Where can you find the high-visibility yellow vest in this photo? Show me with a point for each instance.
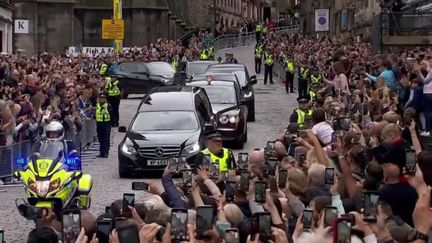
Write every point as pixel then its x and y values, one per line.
pixel 102 113
pixel 258 28
pixel 259 51
pixel 304 72
pixel 312 95
pixel 290 66
pixel 112 87
pixel 264 30
pixel 103 69
pixel 204 55
pixel 211 51
pixel 269 59
pixel 316 80
pixel 301 115
pixel 174 63
pixel 223 162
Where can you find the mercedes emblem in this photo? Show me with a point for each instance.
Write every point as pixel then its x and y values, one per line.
pixel 159 152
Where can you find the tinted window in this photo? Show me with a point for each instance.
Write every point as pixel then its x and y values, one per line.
pixel 165 120
pixel 196 68
pixel 220 94
pixel 129 67
pixel 241 75
pixel 160 68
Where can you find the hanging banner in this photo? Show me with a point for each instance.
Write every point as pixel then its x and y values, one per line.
pixel 344 19
pixel 322 20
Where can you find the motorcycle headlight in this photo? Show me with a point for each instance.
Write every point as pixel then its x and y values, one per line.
pixel 42 188
pixel 128 148
pixel 191 149
pixel 224 119
pixel 32 185
pixel 54 185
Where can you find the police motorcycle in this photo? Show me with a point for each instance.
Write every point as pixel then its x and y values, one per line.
pixel 52 176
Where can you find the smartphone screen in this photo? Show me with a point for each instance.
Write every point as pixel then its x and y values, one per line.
pixel 264 222
pixel 128 233
pixel 329 176
pixel 187 178
pixel 103 230
pixel 179 228
pixel 243 159
pixel 260 191
pixel 343 231
pixel 204 220
pixel 244 180
pixel 182 163
pixel 174 165
pixel 128 201
pixel 139 186
pixel 271 166
pixel 371 200
pixel 232 236
pixel 207 161
pixel 229 191
pixel 411 160
pixel 330 214
pixel 283 177
pixel 214 170
pixel 307 219
pixel 71 220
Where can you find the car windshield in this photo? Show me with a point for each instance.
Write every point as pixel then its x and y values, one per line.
pixel 220 94
pixel 165 121
pixel 196 68
pixel 160 68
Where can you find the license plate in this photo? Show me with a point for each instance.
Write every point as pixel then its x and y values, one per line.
pixel 157 162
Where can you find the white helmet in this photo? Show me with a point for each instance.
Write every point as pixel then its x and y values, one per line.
pixel 54 131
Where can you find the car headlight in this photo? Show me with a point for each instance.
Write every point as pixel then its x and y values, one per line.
pixel 128 147
pixel 191 149
pixel 54 185
pixel 233 119
pixel 248 94
pixel 224 119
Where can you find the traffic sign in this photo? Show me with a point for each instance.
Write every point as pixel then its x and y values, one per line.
pixel 112 29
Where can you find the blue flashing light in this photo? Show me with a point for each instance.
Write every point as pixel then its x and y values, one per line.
pixel 73 163
pixel 20 161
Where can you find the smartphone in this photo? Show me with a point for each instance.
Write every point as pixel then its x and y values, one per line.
pixel 411 161
pixel 244 180
pixel 182 163
pixel 271 166
pixel 174 165
pixel 283 177
pixel 264 223
pixel 179 219
pixel 330 213
pixel 329 176
pixel 187 178
pixel 307 219
pixel 207 161
pixel 349 217
pixel 371 200
pixel 271 146
pixel 342 231
pixel 103 230
pixel 205 216
pixel 243 160
pixel 71 221
pixel 302 159
pixel 230 190
pixel 128 200
pixel 232 235
pixel 119 221
pixel 128 233
pixel 2 238
pixel 214 170
pixel 140 186
pixel 260 191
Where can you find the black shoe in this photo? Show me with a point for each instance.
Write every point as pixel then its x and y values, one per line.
pixel 100 156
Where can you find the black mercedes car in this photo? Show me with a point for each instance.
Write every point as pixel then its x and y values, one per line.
pixel 246 82
pixel 170 121
pixel 141 77
pixel 232 125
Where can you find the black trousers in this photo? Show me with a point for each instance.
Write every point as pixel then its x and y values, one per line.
pixel 268 73
pixel 258 36
pixel 114 101
pixel 258 63
pixel 302 87
pixel 289 84
pixel 103 130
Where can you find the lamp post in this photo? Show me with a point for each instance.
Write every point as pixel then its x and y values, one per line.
pixel 214 18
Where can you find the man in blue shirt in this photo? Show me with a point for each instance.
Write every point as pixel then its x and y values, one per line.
pixel 387 74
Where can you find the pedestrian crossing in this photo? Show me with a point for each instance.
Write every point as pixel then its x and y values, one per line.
pixel 90 153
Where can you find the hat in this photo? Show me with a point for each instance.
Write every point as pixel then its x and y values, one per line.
pixel 213 134
pixel 302 99
pixel 102 95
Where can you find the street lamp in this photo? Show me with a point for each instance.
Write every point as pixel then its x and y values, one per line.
pixel 214 18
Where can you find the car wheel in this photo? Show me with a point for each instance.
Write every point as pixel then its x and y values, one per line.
pixel 251 113
pixel 239 142
pixel 124 173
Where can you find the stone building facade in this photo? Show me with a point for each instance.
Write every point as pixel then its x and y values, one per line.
pixel 6 26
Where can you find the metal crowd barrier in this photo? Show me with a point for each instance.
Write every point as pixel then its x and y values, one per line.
pixel 249 38
pixel 279 70
pixel 14 156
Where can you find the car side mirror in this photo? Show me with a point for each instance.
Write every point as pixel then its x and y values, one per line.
pixel 122 129
pixel 253 79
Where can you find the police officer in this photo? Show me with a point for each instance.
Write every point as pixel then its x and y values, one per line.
pixel 303 80
pixel 112 87
pixel 204 55
pixel 175 62
pixel 289 75
pixel 258 29
pixel 103 69
pixel 302 114
pixel 315 77
pixel 103 125
pixel 217 153
pixel 268 66
pixel 259 51
pixel 211 52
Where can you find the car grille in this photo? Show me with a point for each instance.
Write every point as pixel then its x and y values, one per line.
pixel 159 152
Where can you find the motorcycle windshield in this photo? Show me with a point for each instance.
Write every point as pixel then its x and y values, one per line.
pixel 51 150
